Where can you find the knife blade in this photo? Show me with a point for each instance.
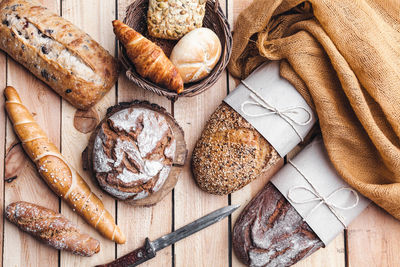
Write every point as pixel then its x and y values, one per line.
pixel 148 251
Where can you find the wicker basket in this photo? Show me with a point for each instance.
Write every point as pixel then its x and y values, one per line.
pixel 136 18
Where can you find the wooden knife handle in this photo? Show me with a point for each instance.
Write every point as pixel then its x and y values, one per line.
pixel 134 258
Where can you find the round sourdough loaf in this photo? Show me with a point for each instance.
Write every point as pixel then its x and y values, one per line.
pixel 132 151
pixel 196 54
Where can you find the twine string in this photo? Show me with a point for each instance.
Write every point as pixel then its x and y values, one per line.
pixel 328 200
pixel 284 113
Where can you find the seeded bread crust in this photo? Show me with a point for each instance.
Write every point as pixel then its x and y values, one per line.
pixel 172 19
pixel 230 153
pixel 45 44
pixel 52 228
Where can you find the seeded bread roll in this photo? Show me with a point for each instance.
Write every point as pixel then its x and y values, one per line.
pixel 269 232
pixel 52 228
pixel 57 52
pixel 172 19
pixel 230 153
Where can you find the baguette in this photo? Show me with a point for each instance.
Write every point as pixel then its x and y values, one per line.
pixel 57 52
pixel 149 59
pixel 57 173
pixel 52 228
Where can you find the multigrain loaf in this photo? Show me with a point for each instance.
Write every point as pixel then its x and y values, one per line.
pixel 230 153
pixel 172 19
pixel 57 52
pixel 52 228
pixel 269 232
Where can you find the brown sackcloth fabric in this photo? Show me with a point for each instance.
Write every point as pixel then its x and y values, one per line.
pixel 344 57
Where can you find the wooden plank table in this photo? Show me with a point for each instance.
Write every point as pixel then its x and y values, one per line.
pixel 371 240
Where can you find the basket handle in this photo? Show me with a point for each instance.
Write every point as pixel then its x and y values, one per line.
pixel 216 5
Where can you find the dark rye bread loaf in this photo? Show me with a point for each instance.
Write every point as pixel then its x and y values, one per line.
pixel 52 228
pixel 270 232
pixel 230 153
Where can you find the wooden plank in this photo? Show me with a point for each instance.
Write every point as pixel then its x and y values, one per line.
pixel 95 18
pixel 209 247
pixel 373 239
pixel 332 255
pixel 3 80
pixel 192 203
pixel 20 248
pixel 141 222
pixel 247 193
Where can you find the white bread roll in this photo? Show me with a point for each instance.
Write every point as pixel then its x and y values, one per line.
pixel 196 54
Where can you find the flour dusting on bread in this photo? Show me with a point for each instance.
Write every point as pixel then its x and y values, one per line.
pixel 133 153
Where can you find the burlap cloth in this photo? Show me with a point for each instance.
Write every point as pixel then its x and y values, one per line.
pixel 344 57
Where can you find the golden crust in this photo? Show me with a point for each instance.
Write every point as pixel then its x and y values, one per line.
pixel 52 228
pixel 149 59
pixel 230 153
pixel 81 93
pixel 64 180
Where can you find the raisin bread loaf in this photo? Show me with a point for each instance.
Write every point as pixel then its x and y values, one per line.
pixel 57 52
pixel 270 232
pixel 230 153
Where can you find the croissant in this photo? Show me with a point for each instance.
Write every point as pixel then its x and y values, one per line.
pixel 58 174
pixel 52 228
pixel 149 59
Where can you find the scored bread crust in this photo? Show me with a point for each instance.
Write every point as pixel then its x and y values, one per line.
pixel 52 228
pixel 64 180
pixel 270 232
pixel 76 88
pixel 179 158
pixel 230 153
pixel 120 165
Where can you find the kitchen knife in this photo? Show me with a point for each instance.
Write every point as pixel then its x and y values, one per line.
pixel 148 251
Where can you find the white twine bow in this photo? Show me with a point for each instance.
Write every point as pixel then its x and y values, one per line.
pixel 283 113
pixel 322 200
